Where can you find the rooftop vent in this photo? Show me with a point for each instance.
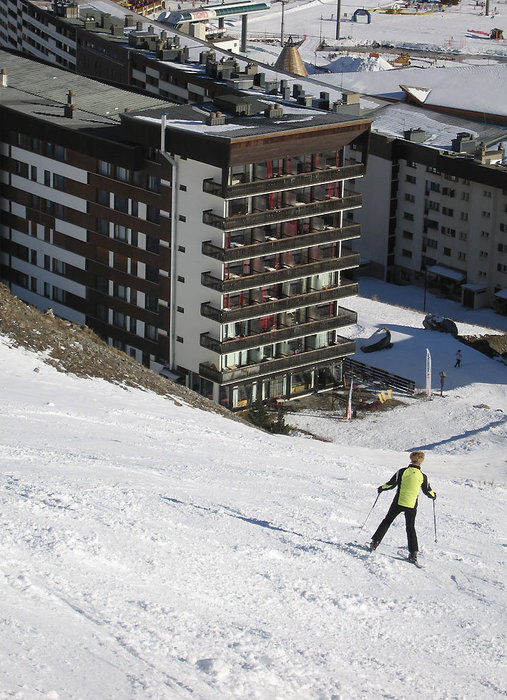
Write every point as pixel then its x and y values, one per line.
pixel 68 110
pixel 274 111
pixel 215 119
pixel 463 143
pixel 415 135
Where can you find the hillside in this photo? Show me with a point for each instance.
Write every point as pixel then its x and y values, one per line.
pixel 150 550
pixel 76 349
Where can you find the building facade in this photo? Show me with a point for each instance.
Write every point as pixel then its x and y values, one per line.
pixel 437 217
pixel 208 243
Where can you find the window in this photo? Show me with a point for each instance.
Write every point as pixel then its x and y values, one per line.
pixel 179 338
pixel 182 218
pixel 463 236
pixel 47 178
pixel 60 153
pixel 150 332
pixel 183 188
pixel 408 216
pixel 430 243
pixel 33 173
pixel 180 309
pixel 408 234
pixel 430 169
pixel 462 256
pixel 181 248
pixel 502 248
pixel 180 278
pixel 484 234
pixel 151 273
pixel 105 168
pixel 487 193
pixel 486 214
pixel 47 262
pixel 411 178
pixel 446 231
pixel 58 182
pixel 121 203
pixel 152 244
pixel 409 197
pixel 411 164
pixel 59 267
pixel 120 232
pixel 103 227
pixel 102 312
pixel 153 183
pixel 122 174
pixel 103 197
pixel 59 295
pixel 153 214
pixel 120 291
pixel 151 302
pixel 503 227
pixel 447 251
pixel 119 319
pixel 501 268
pixel 464 216
pixel 483 253
pixel 482 273
pixel 447 212
pixel 465 196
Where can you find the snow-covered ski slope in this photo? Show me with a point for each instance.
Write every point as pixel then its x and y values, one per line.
pixel 151 551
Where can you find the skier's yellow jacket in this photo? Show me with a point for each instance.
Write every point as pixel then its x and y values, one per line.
pixel 409 481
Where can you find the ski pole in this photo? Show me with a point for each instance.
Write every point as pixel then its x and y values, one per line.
pixel 373 506
pixel 435 519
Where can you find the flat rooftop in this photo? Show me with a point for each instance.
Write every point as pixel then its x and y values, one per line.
pixel 37 89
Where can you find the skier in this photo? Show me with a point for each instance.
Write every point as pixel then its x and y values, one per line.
pixel 408 482
pixel 458 358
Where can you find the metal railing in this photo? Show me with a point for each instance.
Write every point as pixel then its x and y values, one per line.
pixel 283 182
pixel 275 306
pixel 281 245
pixel 286 213
pixel 309 358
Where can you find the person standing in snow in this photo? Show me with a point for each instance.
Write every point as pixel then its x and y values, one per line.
pixel 408 481
pixel 458 358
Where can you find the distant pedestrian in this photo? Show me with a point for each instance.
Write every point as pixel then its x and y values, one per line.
pixel 442 380
pixel 458 358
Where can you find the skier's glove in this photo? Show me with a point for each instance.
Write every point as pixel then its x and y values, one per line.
pixel 434 496
pixel 380 489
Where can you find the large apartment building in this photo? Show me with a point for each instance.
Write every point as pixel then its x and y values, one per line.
pixel 211 241
pixel 435 209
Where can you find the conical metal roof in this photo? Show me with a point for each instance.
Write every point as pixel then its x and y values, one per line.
pixel 289 59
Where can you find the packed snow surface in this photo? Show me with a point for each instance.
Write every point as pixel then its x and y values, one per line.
pixel 149 550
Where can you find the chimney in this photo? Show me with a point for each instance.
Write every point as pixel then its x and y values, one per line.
pixel 215 119
pixel 3 78
pixel 68 110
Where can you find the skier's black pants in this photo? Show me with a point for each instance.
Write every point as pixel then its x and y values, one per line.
pixel 393 513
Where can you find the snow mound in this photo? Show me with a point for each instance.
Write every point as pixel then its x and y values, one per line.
pixel 358 64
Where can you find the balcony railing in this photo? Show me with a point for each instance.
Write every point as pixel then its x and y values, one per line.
pixel 345 318
pixel 276 306
pixel 283 182
pixel 287 213
pixel 281 245
pixel 310 358
pixel 285 274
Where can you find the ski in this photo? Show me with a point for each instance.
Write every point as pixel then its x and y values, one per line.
pixel 403 555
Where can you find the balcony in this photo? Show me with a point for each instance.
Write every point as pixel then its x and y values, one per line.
pixel 283 182
pixel 284 274
pixel 276 306
pixel 288 213
pixel 308 359
pixel 281 245
pixel 345 318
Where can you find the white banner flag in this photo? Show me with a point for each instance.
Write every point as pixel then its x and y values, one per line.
pixel 428 373
pixel 349 405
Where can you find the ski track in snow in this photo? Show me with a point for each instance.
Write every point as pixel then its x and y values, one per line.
pixel 152 551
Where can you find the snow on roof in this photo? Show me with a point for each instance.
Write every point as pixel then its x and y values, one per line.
pixel 447 272
pixel 420 94
pixel 196 125
pixel 395 119
pixel 474 88
pixel 501 294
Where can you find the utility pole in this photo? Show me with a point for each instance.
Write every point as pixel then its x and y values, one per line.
pixel 283 23
pixel 338 12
